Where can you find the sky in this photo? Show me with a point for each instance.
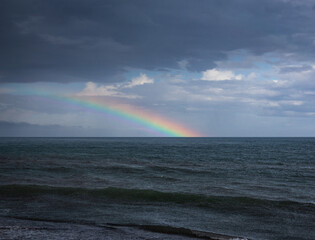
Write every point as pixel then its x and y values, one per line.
pixel 146 68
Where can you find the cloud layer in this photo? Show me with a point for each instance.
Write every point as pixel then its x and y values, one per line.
pixel 225 68
pixel 62 41
pixel 215 75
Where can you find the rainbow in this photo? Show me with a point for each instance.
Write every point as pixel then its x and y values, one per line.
pixel 160 126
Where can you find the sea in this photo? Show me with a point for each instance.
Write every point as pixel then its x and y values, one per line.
pixel 157 188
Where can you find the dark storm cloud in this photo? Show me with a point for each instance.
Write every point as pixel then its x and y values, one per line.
pixel 98 40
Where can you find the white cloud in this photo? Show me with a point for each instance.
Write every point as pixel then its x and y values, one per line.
pixel 92 89
pixel 116 90
pixel 141 80
pixel 217 75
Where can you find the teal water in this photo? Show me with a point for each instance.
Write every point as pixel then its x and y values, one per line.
pixel 258 188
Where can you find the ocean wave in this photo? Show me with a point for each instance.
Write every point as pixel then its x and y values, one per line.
pixel 122 195
pixel 163 229
pixel 180 231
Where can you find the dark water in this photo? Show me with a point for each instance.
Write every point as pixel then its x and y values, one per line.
pixel 256 188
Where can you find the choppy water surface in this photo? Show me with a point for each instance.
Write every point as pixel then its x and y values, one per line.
pixel 259 188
